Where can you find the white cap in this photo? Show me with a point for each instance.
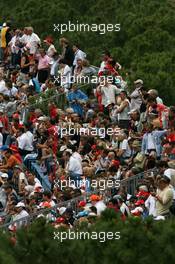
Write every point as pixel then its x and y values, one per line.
pixel 43 118
pixel 20 204
pixel 4 175
pixel 138 81
pixel 167 173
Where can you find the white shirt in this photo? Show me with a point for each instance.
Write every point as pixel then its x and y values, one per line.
pixel 79 54
pixel 32 42
pixel 100 207
pixel 150 204
pixel 51 50
pixel 151 144
pixel 24 39
pixel 74 165
pixel 66 77
pixel 3 88
pixel 126 148
pixel 13 91
pixel 19 216
pixel 12 43
pixel 30 136
pixel 108 94
pixel 22 214
pixel 25 141
pixel 22 177
pixel 76 155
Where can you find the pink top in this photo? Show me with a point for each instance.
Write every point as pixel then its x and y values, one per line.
pixel 43 62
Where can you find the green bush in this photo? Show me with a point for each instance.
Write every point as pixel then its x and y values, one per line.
pixel 140 242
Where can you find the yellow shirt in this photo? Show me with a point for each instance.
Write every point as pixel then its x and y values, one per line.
pixel 3 37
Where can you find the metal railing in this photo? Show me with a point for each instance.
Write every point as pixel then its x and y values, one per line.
pixel 73 204
pixel 131 185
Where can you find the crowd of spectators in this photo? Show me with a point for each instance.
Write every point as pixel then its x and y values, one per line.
pixel 114 131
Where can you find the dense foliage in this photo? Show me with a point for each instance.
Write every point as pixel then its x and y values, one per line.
pixel 145 45
pixel 140 242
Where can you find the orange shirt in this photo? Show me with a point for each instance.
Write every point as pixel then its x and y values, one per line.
pixel 12 161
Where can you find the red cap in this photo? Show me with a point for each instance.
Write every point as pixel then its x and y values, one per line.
pixel 115 163
pixel 140 202
pixel 142 194
pixel 81 204
pixel 49 39
pixel 60 220
pixel 171 138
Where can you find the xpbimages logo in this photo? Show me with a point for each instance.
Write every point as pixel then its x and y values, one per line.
pixel 100 184
pixel 100 236
pixel 82 27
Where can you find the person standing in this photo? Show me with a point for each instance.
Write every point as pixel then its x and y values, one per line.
pixel 108 93
pixel 43 66
pixel 67 52
pixel 123 111
pixel 33 41
pixel 164 197
pixel 78 53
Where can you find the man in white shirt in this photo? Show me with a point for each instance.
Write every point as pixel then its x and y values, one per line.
pixel 33 40
pixel 21 214
pixel 25 141
pixel 109 93
pixel 150 203
pixel 74 167
pixel 79 54
pixel 25 37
